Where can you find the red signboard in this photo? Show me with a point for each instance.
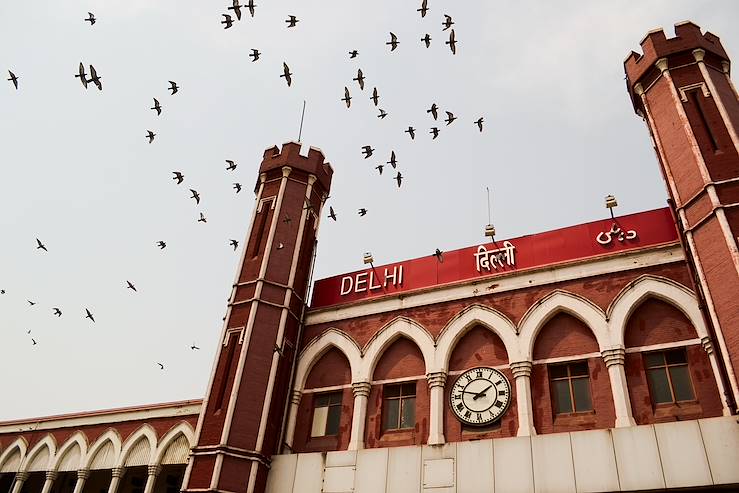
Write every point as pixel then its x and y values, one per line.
pixel 490 259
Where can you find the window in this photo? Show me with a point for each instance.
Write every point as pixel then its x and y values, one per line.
pixel 570 385
pixel 326 414
pixel 399 408
pixel 668 376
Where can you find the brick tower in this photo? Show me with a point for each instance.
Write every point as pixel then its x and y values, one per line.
pixel 681 87
pixel 242 415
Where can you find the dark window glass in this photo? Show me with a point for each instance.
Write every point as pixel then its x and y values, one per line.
pixel 399 409
pixel 659 385
pixel 408 418
pixel 333 419
pixel 581 391
pixel 654 359
pixel 570 384
pixel 668 376
pixel 579 369
pixel 392 412
pixel 681 383
pixel 675 357
pixel 562 402
pixel 558 371
pixel 326 414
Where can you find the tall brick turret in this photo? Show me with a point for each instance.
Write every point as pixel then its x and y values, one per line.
pixel 241 419
pixel 681 87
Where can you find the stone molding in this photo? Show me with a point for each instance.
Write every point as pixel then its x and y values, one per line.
pixel 615 356
pixel 521 369
pixel 436 379
pixel 361 389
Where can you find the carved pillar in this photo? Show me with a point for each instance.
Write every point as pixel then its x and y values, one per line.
pixel 708 348
pixel 116 475
pixel 292 418
pixel 522 374
pixel 614 359
pixel 20 478
pixel 151 479
pixel 82 476
pixel 361 391
pixel 49 483
pixel 436 381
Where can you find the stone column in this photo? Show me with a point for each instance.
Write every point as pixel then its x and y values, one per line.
pixel 436 381
pixel 614 359
pixel 49 483
pixel 151 479
pixel 522 374
pixel 361 391
pixel 708 348
pixel 20 478
pixel 292 418
pixel 82 476
pixel 116 475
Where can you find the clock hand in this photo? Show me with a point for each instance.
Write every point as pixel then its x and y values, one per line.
pixel 481 394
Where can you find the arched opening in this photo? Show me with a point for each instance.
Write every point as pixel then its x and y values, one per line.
pixel 37 466
pixel 325 412
pixel 668 373
pixel 8 469
pixel 173 462
pixel 569 380
pixel 135 467
pixel 397 411
pixel 479 346
pixel 69 463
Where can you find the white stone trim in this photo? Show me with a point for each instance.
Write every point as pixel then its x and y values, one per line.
pixel 21 444
pixel 111 436
pixel 663 346
pixel 47 442
pixel 146 432
pixel 391 332
pixel 78 438
pixel 182 429
pixel 317 347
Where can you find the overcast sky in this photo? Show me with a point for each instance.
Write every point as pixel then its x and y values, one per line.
pixel 77 172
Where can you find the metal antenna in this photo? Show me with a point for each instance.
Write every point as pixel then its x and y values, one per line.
pixel 300 133
pixel 489 218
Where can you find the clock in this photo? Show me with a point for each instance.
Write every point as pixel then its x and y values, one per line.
pixel 480 396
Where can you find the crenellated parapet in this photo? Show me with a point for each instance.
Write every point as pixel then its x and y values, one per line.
pixel 314 163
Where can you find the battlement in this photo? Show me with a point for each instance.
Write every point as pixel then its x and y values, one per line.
pixel 314 163
pixel 656 45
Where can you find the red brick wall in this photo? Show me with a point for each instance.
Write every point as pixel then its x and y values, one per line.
pixel 564 335
pixel 331 369
pixel 657 322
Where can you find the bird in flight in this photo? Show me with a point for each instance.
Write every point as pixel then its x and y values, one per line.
pixel 434 131
pixel 173 87
pixel 254 54
pixel 81 75
pixel 393 42
pixel 57 312
pixel 286 74
pixel 450 117
pixel 162 245
pixel 479 123
pixel 231 165
pixel 161 366
pixel 227 21
pixel 2 291
pixel 331 213
pixel 90 18
pixel 157 107
pixel 360 79
pixel 382 114
pixel 291 21
pixel 424 8
pixel 362 212
pixel 439 255
pixel 393 162
pixel 237 187
pixel 13 78
pixel 353 54
pixel 250 5
pixel 89 315
pixel 202 218
pixel 195 195
pixel 452 42
pixel 129 285
pixel 427 40
pixel 347 97
pixel 95 78
pixel 194 347
pixel 179 177
pixel 234 244
pixel 379 167
pixel 40 246
pixel 412 132
pixel 150 135
pixel 447 22
pixel 31 302
pixel 34 341
pixel 375 97
pixel 434 111
pixel 399 178
pixel 236 8
pixel 367 151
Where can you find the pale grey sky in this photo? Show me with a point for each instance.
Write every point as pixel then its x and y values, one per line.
pixel 77 172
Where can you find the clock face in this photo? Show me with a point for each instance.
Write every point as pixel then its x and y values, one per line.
pixel 480 396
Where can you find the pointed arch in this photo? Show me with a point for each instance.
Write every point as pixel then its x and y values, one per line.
pixel 109 444
pixel 316 348
pixel 649 286
pixel 465 320
pixel 182 429
pixel 392 331
pixel 561 301
pixel 66 453
pixel 145 433
pixel 19 446
pixel 35 460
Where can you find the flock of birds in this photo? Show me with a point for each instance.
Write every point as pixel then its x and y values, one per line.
pixel 90 75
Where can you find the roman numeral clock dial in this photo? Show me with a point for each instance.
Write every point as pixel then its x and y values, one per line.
pixel 480 396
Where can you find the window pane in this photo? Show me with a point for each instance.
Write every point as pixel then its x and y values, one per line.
pixel 391 390
pixel 409 389
pixel 335 398
pixel 561 390
pixel 332 420
pixel 391 414
pixel 659 386
pixel 681 383
pixel 654 359
pixel 318 429
pixel 581 389
pixel 580 368
pixel 558 371
pixel 321 400
pixel 676 357
pixel 408 419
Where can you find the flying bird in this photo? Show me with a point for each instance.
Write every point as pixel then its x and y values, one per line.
pixel 393 42
pixel 375 97
pixel 450 117
pixel 90 18
pixel 452 42
pixel 286 74
pixel 227 21
pixel 194 347
pixel 81 75
pixel 2 291
pixel 173 87
pixel 31 302
pixel 424 8
pixel 434 131
pixel 89 315
pixel 347 97
pixel 234 244
pixel 367 151
pixel 427 40
pixel 34 341
pixel 237 187
pixel 412 132
pixel 434 111
pixel 129 285
pixel 382 114
pixel 362 212
pixel 231 165
pixel 162 245
pixel 291 21
pixel 331 213
pixel 254 54
pixel 40 246
pixel 360 79
pixel 250 5
pixel 179 177
pixel 447 22
pixel 202 218
pixel 379 167
pixel 14 79
pixel 57 312
pixel 195 195
pixel 161 366
pixel 353 54
pixel 439 255
pixel 479 123
pixel 157 107
pixel 393 162
pixel 236 8
pixel 150 135
pixel 95 78
pixel 399 178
